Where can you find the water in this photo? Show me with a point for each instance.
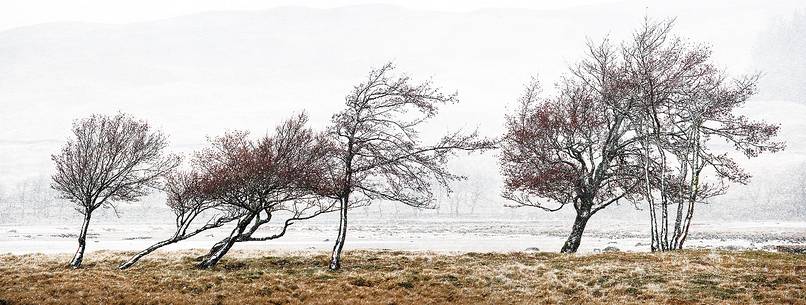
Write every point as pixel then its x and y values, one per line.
pixel 429 234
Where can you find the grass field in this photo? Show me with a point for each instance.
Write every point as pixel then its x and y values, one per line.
pixel 393 277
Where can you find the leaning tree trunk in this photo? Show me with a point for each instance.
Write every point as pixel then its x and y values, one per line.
pixel 575 238
pixel 335 259
pixel 82 241
pixel 219 250
pixel 145 252
pixel 217 246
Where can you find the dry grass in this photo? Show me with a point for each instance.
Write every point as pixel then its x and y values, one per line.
pixel 391 277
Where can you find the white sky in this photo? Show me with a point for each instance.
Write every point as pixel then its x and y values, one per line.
pixel 53 85
pixel 16 13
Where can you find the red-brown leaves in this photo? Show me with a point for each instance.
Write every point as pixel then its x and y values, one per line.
pixel 552 146
pixel 634 123
pixel 255 175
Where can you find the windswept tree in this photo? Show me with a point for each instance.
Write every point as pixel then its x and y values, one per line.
pixel 250 183
pixel 633 123
pixel 379 154
pixel 109 159
pixel 188 203
pixel 573 148
pixel 685 104
pixel 284 173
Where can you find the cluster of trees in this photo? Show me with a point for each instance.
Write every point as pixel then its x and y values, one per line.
pixel 29 199
pixel 630 123
pixel 633 123
pixel 371 151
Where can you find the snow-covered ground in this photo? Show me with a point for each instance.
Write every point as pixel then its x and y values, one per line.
pixel 433 234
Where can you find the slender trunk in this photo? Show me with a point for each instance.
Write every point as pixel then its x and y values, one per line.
pixel 663 237
pixel 575 238
pixel 138 256
pixel 217 246
pixel 215 256
pixel 655 244
pixel 219 250
pixel 82 241
pixel 335 258
pixel 650 201
pixel 678 220
pixel 684 233
pixel 664 203
pixel 180 235
pixel 694 187
pixel 690 211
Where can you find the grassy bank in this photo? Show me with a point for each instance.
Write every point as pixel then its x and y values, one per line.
pixel 391 277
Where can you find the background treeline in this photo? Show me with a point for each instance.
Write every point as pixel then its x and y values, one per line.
pixel 31 201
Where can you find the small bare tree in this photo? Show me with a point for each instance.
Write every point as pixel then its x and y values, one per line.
pixel 379 155
pixel 282 173
pixel 110 159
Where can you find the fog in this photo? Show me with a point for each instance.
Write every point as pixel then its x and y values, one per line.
pixel 202 74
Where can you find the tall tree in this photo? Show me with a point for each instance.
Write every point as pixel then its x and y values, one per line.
pixel 379 154
pixel 573 148
pixel 110 159
pixel 633 123
pixel 685 103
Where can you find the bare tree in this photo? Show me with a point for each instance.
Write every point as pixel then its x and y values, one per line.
pixel 379 153
pixel 685 102
pixel 466 197
pixel 633 123
pixel 32 199
pixel 661 67
pixel 285 172
pixel 573 148
pixel 110 159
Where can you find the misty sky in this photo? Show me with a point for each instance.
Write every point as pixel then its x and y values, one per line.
pixel 29 12
pixel 198 68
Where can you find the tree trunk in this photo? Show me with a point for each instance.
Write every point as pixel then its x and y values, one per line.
pixel 82 241
pixel 145 252
pixel 653 224
pixel 572 244
pixel 217 246
pixel 694 187
pixel 215 255
pixel 664 230
pixel 335 259
pixel 686 225
pixel 678 220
